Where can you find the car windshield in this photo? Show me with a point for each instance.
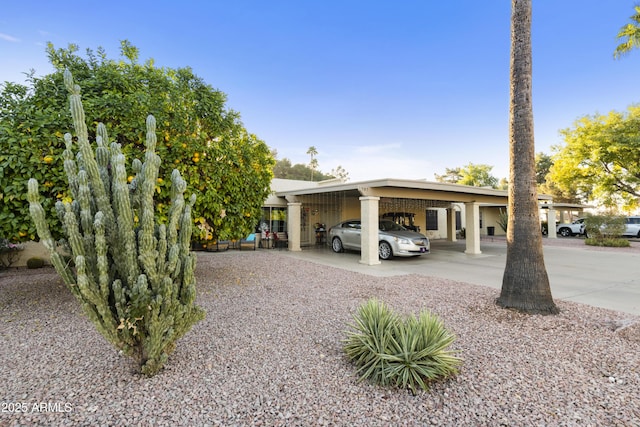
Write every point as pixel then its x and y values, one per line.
pixel 390 226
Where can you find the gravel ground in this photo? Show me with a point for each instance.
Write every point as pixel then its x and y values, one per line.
pixel 269 353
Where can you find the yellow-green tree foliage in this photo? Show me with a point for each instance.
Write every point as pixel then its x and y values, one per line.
pixel 228 168
pixel 600 159
pixel 470 174
pixel 629 35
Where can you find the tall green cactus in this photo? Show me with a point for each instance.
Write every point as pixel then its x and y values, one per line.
pixel 133 277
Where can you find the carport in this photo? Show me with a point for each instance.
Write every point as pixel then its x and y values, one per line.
pixel 330 202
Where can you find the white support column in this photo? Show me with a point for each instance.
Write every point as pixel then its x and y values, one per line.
pixel 551 223
pixel 472 233
pixel 369 232
pixel 451 224
pixel 293 225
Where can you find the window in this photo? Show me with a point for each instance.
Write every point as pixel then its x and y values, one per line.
pixel 432 219
pixel 458 220
pixel 273 220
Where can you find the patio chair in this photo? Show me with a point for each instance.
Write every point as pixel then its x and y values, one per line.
pixel 248 242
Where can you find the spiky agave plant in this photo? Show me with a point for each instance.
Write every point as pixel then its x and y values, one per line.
pixel 390 350
pixel 133 277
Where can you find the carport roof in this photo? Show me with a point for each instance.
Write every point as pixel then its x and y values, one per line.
pixel 397 188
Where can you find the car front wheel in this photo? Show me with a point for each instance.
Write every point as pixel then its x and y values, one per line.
pixel 384 251
pixel 336 245
pixel 565 232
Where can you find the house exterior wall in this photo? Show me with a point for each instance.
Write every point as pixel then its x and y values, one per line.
pixel 490 218
pixel 351 209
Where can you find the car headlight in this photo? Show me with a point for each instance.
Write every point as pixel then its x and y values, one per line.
pixel 403 241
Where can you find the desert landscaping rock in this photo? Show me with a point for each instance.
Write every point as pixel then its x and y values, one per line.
pixel 269 353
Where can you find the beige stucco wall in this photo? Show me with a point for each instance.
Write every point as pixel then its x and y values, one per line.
pixel 490 217
pixel 31 250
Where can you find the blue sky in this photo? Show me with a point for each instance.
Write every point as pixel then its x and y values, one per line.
pixel 400 89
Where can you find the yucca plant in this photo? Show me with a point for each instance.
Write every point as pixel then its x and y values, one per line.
pixel 405 352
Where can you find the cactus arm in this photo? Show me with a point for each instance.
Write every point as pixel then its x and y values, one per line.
pixel 88 158
pixel 102 259
pixel 86 220
pixel 102 155
pixel 161 262
pixel 74 237
pixel 178 186
pixel 146 236
pixel 186 227
pixel 124 214
pixel 70 166
pixel 188 289
pixel 37 214
pixel 94 305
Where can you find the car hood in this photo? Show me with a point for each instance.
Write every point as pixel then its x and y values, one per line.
pixel 407 234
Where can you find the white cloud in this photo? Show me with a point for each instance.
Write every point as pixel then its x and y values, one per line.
pixel 9 38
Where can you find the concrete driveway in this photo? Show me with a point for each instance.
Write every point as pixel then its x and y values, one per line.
pixel 608 278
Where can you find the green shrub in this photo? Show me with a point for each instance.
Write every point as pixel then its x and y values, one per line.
pixel 35 263
pixel 133 276
pixel 405 352
pixel 604 226
pixel 608 242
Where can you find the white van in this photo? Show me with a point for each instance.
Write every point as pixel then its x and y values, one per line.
pixel 633 226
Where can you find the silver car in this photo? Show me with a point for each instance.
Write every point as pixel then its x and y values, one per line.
pixel 393 239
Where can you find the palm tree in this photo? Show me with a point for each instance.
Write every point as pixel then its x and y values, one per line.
pixel 525 284
pixel 630 34
pixel 313 164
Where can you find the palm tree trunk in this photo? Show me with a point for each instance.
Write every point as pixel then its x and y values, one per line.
pixel 525 284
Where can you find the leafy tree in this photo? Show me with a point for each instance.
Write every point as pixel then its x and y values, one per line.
pixel 228 168
pixel 600 159
pixel 282 169
pixel 451 176
pixel 546 185
pixel 629 35
pixel 285 170
pixel 471 174
pixel 478 176
pixel 525 284
pixel 503 184
pixel 543 164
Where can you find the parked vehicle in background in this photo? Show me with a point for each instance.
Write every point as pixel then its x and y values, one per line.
pixel 577 227
pixel 393 239
pixel 632 226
